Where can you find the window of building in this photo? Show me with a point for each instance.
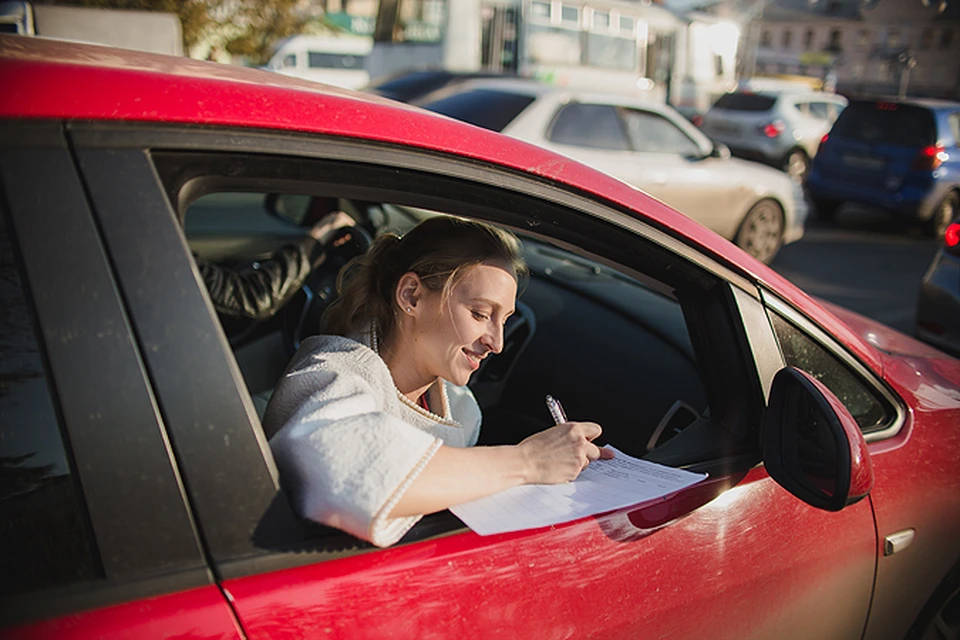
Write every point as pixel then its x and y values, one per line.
pixel 926 38
pixel 808 40
pixel 894 38
pixel 570 15
pixel 946 39
pixel 863 39
pixel 601 20
pixel 765 38
pixel 787 38
pixel 836 40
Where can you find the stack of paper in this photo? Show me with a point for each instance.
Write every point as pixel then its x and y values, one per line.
pixel 603 486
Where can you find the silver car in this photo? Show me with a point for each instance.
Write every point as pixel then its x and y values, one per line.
pixel 648 145
pixel 781 127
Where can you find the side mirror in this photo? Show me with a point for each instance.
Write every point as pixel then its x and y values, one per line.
pixel 812 446
pixel 720 150
pixel 291 208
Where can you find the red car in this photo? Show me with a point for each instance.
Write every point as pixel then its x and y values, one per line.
pixel 139 497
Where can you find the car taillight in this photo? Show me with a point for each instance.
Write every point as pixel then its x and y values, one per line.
pixel 773 129
pixel 929 158
pixel 697 120
pixel 951 239
pixel 823 141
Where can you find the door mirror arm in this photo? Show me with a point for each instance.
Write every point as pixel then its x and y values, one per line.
pixel 812 446
pixel 720 150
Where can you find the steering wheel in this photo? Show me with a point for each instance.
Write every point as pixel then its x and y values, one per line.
pixel 302 320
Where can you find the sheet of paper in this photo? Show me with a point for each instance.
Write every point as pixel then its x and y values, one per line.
pixel 603 486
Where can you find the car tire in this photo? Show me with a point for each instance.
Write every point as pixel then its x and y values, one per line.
pixel 825 209
pixel 940 617
pixel 761 232
pixel 944 213
pixel 797 165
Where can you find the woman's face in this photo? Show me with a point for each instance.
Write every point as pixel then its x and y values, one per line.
pixel 452 336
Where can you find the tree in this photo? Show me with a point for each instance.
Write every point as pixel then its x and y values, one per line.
pixel 246 28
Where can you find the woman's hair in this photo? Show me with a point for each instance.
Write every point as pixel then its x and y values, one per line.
pixel 440 250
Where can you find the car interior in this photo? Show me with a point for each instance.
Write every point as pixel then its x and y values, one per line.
pixel 652 354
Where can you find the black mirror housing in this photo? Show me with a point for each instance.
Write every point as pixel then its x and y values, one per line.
pixel 812 446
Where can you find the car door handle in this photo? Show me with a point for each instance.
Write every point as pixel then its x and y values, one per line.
pixel 898 541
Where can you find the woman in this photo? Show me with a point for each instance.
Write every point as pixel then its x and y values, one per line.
pixel 374 426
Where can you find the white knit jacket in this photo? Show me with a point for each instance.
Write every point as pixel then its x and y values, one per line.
pixel 348 444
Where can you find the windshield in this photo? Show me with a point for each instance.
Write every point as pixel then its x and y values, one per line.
pixel 487 108
pixel 745 102
pixel 887 122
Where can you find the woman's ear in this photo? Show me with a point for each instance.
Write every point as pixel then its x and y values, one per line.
pixel 409 291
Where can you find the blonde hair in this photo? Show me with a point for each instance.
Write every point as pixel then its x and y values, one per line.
pixel 439 250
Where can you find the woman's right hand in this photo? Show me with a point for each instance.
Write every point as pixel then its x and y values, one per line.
pixel 560 453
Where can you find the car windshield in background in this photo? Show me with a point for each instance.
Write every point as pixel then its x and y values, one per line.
pixel 887 122
pixel 320 60
pixel 745 102
pixel 485 108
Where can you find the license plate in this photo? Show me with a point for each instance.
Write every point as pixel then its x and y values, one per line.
pixel 859 161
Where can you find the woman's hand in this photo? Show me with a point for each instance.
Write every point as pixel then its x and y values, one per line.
pixel 560 453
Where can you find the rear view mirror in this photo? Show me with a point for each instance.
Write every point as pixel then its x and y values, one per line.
pixel 812 446
pixel 291 208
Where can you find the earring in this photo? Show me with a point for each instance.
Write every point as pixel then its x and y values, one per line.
pixel 409 309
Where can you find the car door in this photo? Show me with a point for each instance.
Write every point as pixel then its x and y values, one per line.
pixel 736 555
pixel 97 538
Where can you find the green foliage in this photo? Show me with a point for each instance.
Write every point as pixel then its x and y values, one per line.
pixel 246 28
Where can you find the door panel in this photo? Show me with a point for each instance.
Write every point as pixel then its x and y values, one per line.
pixel 201 614
pixel 755 562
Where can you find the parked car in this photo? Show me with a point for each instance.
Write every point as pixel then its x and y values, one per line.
pixel 938 304
pixel 781 127
pixel 140 500
pixel 410 85
pixel 648 145
pixel 899 156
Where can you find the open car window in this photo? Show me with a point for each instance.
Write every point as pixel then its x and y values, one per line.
pixel 627 332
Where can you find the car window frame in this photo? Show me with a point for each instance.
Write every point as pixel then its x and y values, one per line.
pixel 121 454
pixel 873 382
pixel 131 145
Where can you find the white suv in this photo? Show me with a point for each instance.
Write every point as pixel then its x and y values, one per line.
pixel 782 128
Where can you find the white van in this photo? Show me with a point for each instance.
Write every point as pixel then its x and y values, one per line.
pixel 338 60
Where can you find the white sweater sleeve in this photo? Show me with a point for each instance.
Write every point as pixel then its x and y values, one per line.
pixel 344 460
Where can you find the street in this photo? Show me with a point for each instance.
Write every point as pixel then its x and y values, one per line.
pixel 867 262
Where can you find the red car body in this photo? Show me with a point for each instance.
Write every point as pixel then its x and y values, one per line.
pixel 737 556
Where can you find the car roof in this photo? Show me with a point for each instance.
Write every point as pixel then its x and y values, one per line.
pixel 50 79
pixel 934 104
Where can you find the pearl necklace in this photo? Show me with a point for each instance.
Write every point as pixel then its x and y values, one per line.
pixel 375 345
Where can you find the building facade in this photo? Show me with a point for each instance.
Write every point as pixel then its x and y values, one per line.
pixel 868 48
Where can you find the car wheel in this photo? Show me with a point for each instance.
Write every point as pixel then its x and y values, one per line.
pixel 761 232
pixel 826 210
pixel 940 618
pixel 943 215
pixel 797 165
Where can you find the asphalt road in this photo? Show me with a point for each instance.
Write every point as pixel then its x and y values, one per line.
pixel 866 262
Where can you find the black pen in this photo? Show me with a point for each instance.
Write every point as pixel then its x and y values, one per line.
pixel 556 410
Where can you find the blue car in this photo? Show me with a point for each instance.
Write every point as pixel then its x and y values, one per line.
pixel 900 156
